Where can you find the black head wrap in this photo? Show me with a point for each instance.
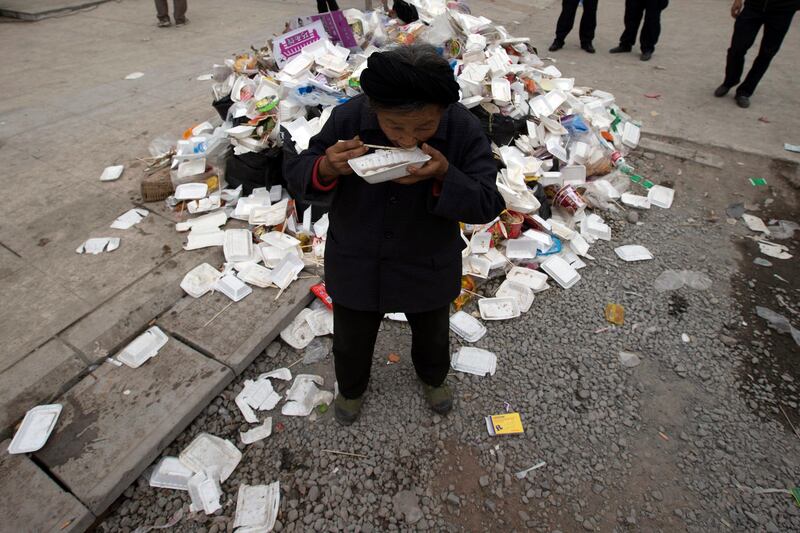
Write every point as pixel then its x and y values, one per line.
pixel 391 81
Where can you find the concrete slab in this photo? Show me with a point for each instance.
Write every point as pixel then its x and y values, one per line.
pixel 38 378
pixel 681 152
pixel 117 420
pixel 109 327
pixel 9 262
pixel 35 308
pixel 38 9
pixel 240 331
pixel 33 502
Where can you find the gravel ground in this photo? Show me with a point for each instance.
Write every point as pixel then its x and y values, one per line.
pixel 674 444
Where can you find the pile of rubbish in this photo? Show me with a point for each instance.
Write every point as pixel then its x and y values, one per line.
pixel 562 147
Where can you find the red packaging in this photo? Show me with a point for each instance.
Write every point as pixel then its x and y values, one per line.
pixel 320 292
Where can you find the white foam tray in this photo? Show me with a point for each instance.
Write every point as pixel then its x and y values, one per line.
pixel 143 347
pixel 35 428
pixel 386 165
pixel 498 308
pixel 467 327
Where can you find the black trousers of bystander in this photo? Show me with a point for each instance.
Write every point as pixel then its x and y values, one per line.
pixel 776 25
pixel 323 6
pixel 567 20
pixel 635 10
pixel 354 338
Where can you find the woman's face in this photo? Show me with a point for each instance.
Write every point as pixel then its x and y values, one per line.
pixel 408 129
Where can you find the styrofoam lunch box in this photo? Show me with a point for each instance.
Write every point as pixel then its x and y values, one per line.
pixel 35 428
pixel 143 347
pixel 386 165
pixel 513 289
pixel 498 308
pixel 474 361
pixel 532 279
pixel 467 327
pixel 171 473
pixel 191 191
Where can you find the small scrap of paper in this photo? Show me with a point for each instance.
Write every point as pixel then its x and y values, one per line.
pixel 791 147
pixel 755 182
pixel 134 75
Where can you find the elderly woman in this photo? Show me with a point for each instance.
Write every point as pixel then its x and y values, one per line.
pixel 395 246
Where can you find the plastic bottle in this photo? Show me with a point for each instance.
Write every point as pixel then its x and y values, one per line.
pixel 619 162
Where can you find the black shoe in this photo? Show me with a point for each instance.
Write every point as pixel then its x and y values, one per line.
pixel 742 101
pixel 164 23
pixel 179 23
pixel 621 49
pixel 588 47
pixel 556 46
pixel 721 91
pixel 646 56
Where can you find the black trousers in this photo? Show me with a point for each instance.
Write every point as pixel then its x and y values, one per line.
pixel 354 342
pixel 323 6
pixel 567 19
pixel 635 10
pixel 776 25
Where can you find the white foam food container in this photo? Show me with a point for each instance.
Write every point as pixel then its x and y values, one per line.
pixel 543 240
pixel 232 287
pixel 476 266
pixel 287 270
pixel 271 215
pixel 199 280
pixel 112 173
pixel 386 165
pixel 303 395
pixel 238 246
pixel 635 200
pixel 467 326
pixel 498 308
pixel 561 271
pixel 522 248
pixel 240 131
pixel 192 167
pixel 633 252
pixel 35 428
pixel 255 274
pixel 205 492
pixel 143 347
pixel 171 473
pixel 630 135
pixel 474 361
pixel 661 196
pixel 534 280
pixel 481 242
pixel 513 289
pixel 272 255
pixel 207 451
pixel 257 507
pixel 191 191
pixel 280 240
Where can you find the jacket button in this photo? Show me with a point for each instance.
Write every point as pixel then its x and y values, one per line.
pixel 388 235
pixel 393 199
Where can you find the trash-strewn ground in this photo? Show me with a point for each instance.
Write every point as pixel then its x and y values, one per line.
pixel 676 443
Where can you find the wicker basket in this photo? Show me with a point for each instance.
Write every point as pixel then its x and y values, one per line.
pixel 157 186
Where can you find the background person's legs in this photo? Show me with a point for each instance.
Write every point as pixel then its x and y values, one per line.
pixel 776 26
pixel 430 344
pixel 353 344
pixel 566 19
pixel 162 10
pixel 178 10
pixel 651 29
pixel 745 30
pixel 588 21
pixel 634 10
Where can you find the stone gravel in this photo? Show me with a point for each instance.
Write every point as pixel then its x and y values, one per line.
pixel 675 443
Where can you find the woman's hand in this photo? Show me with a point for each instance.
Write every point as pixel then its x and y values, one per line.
pixel 334 163
pixel 736 8
pixel 437 166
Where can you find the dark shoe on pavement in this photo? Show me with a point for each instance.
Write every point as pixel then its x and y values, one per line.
pixel 742 101
pixel 347 411
pixel 440 399
pixel 183 22
pixel 164 23
pixel 620 49
pixel 588 47
pixel 721 91
pixel 556 46
pixel 646 56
